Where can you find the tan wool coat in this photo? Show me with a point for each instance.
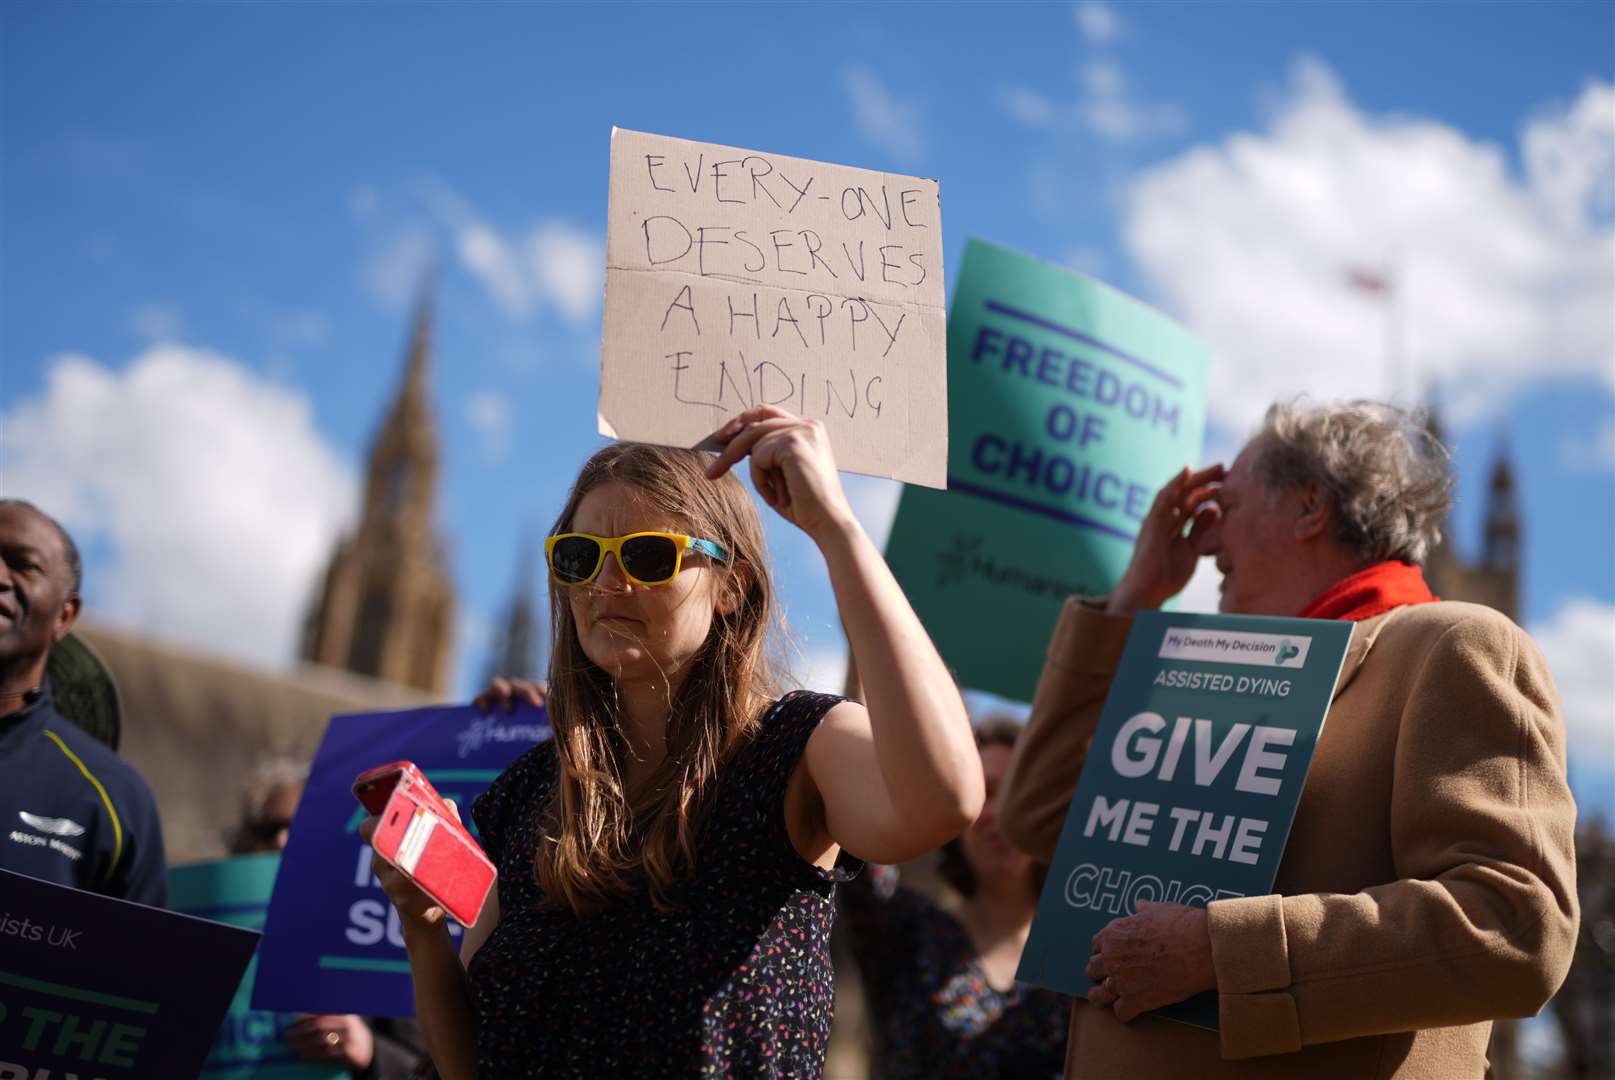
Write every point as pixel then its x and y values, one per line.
pixel 1428 884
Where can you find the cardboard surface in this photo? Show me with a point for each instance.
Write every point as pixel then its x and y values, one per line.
pixel 736 278
pixel 1070 405
pixel 96 987
pixel 1187 796
pixel 331 939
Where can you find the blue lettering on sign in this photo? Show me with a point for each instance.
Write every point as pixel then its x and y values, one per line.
pixel 1077 377
pixel 1044 473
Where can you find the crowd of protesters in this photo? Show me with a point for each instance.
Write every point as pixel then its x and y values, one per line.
pixel 669 860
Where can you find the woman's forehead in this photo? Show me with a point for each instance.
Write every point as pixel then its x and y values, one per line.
pixel 615 508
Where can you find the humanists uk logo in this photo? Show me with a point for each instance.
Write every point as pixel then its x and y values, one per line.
pixel 967 559
pixel 489 729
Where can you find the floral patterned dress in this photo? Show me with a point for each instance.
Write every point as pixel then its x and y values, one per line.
pixel 734 981
pixel 932 1011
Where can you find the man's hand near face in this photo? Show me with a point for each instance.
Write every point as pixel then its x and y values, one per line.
pixel 1170 542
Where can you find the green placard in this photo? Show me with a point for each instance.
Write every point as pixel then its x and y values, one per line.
pixel 1192 781
pixel 1069 404
pixel 251 1043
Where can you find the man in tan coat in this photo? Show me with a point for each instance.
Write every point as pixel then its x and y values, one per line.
pixel 1428 884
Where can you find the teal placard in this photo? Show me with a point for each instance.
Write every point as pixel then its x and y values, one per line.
pixel 1069 404
pixel 251 1042
pixel 1192 781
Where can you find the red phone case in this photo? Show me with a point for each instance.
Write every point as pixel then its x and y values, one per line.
pixel 417 833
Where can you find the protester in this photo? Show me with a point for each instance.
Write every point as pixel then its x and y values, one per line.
pixel 377 1049
pixel 939 985
pixel 1427 886
pixel 74 812
pixel 668 860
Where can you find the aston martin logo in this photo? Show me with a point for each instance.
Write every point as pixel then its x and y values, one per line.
pixel 56 826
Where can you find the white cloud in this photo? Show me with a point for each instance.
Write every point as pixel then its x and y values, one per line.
pixel 882 119
pixel 155 322
pixel 1108 109
pixel 485 253
pixel 209 488
pixel 1098 22
pixel 1594 453
pixel 304 327
pixel 554 263
pixel 394 270
pixel 1579 643
pixel 1028 107
pixel 489 414
pixel 1571 158
pixel 1251 240
pixel 568 265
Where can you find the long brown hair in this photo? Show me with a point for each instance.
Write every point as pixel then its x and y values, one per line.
pixel 597 840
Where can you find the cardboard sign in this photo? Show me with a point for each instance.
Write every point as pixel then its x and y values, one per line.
pixel 1192 782
pixel 736 278
pixel 97 987
pixel 332 942
pixel 251 1043
pixel 1070 405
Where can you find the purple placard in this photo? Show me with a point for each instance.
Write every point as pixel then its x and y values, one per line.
pixel 98 987
pixel 331 939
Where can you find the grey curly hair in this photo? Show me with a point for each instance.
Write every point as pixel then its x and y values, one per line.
pixel 1386 474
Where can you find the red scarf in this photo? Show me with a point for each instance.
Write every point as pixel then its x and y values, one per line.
pixel 1369 592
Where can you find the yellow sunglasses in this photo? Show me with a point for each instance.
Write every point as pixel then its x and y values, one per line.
pixel 646 558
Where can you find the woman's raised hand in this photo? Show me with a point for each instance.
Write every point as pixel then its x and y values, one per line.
pixel 792 466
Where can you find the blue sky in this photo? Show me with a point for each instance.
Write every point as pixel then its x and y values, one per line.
pixel 214 219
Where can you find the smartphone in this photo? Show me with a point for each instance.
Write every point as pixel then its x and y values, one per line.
pixel 417 833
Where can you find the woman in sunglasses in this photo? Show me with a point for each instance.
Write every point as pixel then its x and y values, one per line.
pixel 668 860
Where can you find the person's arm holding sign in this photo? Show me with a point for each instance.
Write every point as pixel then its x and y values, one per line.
pixel 899 775
pixel 442 993
pixel 1481 922
pixel 1083 655
pixel 1164 952
pixel 1444 897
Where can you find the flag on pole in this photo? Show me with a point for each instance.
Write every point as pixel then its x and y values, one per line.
pixel 1372 282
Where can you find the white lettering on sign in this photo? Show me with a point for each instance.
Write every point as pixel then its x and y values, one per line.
pixel 1108 889
pixel 1137 751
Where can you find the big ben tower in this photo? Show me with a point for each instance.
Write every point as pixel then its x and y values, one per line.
pixel 387 606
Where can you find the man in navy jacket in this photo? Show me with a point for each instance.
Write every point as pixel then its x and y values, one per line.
pixel 71 811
